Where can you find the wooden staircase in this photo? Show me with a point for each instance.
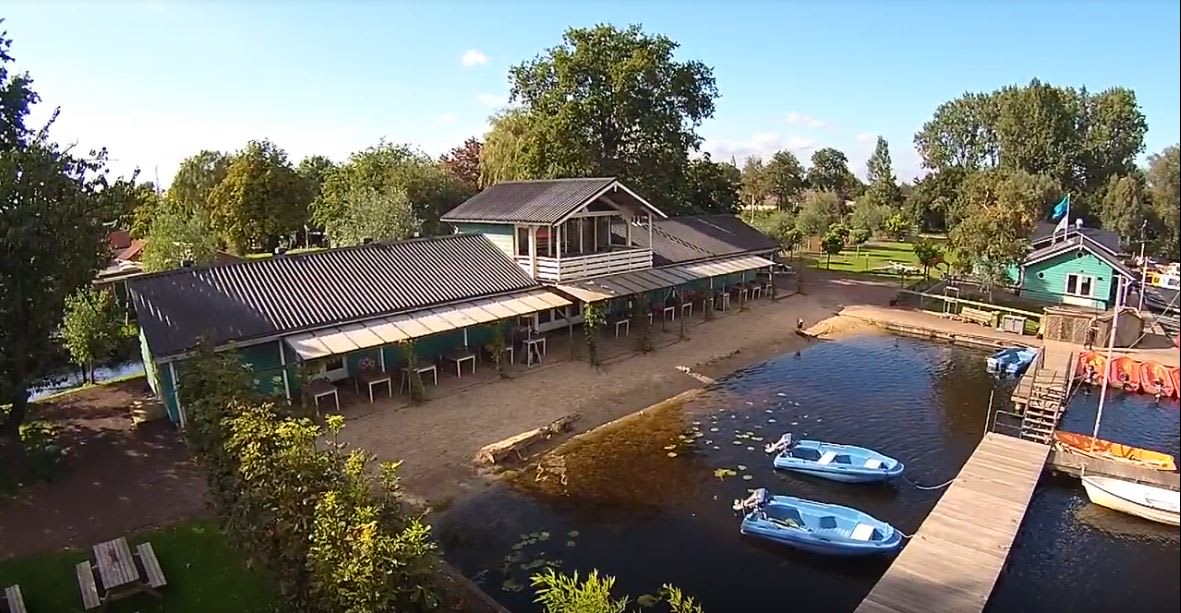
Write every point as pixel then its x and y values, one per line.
pixel 1043 408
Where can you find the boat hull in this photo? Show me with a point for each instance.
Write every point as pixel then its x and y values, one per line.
pixel 1124 373
pixel 1101 492
pixel 835 462
pixel 1156 378
pixel 849 476
pixel 823 548
pixel 1082 444
pixel 825 529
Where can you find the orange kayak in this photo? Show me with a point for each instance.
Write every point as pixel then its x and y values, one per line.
pixel 1176 372
pixel 1091 366
pixel 1081 443
pixel 1124 374
pixel 1156 378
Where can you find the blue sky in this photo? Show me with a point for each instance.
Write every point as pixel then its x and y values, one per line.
pixel 157 81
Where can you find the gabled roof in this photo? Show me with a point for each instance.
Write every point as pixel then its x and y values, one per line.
pixel 1043 234
pixel 261 298
pixel 542 202
pixel 132 252
pixel 1076 243
pixel 691 238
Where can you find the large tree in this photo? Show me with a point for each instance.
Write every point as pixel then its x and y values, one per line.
pixel 997 210
pixel 933 196
pixel 463 162
pixel 755 184
pixel 830 173
pixel 818 211
pixel 883 185
pixel 51 244
pixel 1124 207
pixel 196 177
pixel 260 199
pixel 372 214
pixel 176 237
pixel 510 149
pixel 785 179
pixel 712 187
pixel 615 102
pixel 1164 187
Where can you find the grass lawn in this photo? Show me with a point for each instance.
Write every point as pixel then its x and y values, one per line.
pixel 203 572
pixel 873 257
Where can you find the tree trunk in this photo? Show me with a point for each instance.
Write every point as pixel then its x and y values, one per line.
pixel 828 261
pixel 12 450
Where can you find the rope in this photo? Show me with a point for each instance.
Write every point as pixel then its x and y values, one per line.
pixel 905 535
pixel 929 487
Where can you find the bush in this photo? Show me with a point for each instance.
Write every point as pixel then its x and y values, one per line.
pixel 559 593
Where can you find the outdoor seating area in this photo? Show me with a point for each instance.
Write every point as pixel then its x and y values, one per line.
pixel 116 573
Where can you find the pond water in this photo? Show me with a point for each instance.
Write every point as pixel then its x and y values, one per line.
pixel 649 502
pixel 73 379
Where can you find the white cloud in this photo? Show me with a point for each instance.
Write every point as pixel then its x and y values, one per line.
pixel 447 119
pixel 803 119
pixel 866 137
pixel 473 57
pixel 491 100
pixel 761 144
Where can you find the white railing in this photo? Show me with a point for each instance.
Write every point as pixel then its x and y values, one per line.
pixel 575 267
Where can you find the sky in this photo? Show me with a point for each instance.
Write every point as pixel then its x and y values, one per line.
pixel 156 81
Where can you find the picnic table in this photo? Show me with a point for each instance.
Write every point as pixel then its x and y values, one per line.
pixel 373 378
pixel 119 573
pixel 459 356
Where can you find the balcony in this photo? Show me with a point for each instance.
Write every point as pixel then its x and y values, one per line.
pixel 575 267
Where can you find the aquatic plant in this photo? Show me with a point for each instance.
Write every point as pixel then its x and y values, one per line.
pixel 559 593
pixel 722 473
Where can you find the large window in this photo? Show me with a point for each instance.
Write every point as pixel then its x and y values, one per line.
pixel 1080 285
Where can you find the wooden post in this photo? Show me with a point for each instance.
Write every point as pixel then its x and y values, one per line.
pixel 180 411
pixel 283 363
pixel 628 230
pixel 570 330
pixel 533 251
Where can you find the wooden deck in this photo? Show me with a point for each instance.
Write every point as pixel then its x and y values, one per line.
pixel 954 559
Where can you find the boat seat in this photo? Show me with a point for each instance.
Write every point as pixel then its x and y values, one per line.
pixel 827 458
pixel 873 463
pixel 863 532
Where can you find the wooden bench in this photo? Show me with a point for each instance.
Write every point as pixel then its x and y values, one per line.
pixel 983 318
pixel 90 599
pixel 147 557
pixel 13 601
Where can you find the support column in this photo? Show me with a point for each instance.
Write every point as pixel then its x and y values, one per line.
pixel 649 230
pixel 558 242
pixel 628 232
pixel 283 363
pixel 180 411
pixel 533 251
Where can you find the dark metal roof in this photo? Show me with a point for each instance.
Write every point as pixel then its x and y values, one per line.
pixel 1075 243
pixel 287 293
pixel 1043 233
pixel 690 238
pixel 543 202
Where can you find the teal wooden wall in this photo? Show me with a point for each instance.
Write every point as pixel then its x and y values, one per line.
pixel 501 235
pixel 145 354
pixel 1046 280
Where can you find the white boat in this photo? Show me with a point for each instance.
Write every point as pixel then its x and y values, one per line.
pixel 1152 503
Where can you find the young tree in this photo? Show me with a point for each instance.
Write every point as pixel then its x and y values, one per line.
pixel 755 184
pixel 463 162
pixel 833 242
pixel 51 244
pixel 868 214
pixel 781 226
pixel 615 102
pixel 260 199
pixel 859 235
pixel 818 211
pixel 785 178
pixel 883 185
pixel 1164 187
pixel 712 187
pixel 176 237
pixel 91 327
pixel 929 254
pixel 370 214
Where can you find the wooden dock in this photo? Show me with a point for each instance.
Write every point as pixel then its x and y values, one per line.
pixel 952 562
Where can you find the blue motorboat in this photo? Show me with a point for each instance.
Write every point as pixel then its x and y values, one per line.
pixel 1011 360
pixel 827 529
pixel 844 463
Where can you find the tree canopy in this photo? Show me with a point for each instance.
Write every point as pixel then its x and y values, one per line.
pixel 463 162
pixel 785 179
pixel 1164 187
pixel 883 185
pixel 372 214
pixel 712 187
pixel 997 210
pixel 755 185
pixel 176 237
pixel 259 200
pixel 830 172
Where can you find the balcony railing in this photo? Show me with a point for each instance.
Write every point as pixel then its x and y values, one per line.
pixel 575 267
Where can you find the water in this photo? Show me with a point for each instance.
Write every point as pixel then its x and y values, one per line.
pixel 634 512
pixel 101 373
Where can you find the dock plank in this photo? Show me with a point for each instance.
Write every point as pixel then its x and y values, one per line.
pixel 953 561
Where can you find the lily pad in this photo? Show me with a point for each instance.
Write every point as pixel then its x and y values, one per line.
pixel 722 473
pixel 771 421
pixel 713 429
pixel 672 454
pixel 572 534
pixel 543 536
pixel 647 600
pixel 750 448
pixel 747 477
pixel 741 467
pixel 570 543
pixel 510 585
pixel 669 447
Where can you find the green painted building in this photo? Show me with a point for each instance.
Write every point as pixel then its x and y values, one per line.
pixel 1078 267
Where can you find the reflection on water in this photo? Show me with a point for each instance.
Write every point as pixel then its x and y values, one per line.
pixel 101 373
pixel 648 501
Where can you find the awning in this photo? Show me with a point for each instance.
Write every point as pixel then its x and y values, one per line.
pixel 628 283
pixel 388 330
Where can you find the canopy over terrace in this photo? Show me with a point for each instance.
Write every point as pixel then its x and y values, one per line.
pixel 417 324
pixel 630 283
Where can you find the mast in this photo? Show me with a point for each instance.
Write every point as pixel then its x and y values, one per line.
pixel 1119 295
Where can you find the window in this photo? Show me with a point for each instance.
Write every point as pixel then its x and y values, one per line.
pixel 522 241
pixel 1080 285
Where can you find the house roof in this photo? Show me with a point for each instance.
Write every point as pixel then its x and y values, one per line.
pixel 543 202
pixel 1075 243
pixel 1043 233
pixel 691 238
pixel 260 298
pixel 133 251
pixel 118 239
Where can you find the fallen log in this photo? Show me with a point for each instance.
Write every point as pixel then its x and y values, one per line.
pixel 516 445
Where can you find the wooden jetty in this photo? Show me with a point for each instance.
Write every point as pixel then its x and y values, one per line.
pixel 953 561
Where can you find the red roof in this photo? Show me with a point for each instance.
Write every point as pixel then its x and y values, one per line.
pixel 133 251
pixel 119 239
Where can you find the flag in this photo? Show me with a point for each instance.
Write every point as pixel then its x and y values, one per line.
pixel 1063 226
pixel 1062 208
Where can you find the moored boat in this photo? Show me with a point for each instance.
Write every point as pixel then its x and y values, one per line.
pixel 1092 367
pixel 1146 501
pixel 1081 444
pixel 1156 379
pixel 1175 372
pixel 1124 373
pixel 844 463
pixel 1011 360
pixel 817 527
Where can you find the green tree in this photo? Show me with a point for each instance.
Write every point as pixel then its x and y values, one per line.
pixel 195 179
pixel 558 593
pixel 897 226
pixel 755 184
pixel 781 226
pixel 712 187
pixel 1164 187
pixel 510 149
pixel 176 237
pixel 615 102
pixel 818 211
pixel 1125 208
pixel 859 235
pixel 961 134
pixel 146 202
pixel 92 327
pixel 933 197
pixel 374 215
pixel 869 214
pixel 830 172
pixel 928 254
pixel 785 178
pixel 883 185
pixel 998 209
pixel 833 242
pixel 51 245
pixel 260 200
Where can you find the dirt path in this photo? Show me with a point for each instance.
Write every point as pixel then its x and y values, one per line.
pixel 436 441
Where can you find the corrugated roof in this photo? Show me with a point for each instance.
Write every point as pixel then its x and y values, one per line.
pixel 544 202
pixel 691 238
pixel 628 283
pixel 1079 242
pixel 1043 233
pixel 302 292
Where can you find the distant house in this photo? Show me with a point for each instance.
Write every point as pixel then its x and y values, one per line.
pixel 1078 267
